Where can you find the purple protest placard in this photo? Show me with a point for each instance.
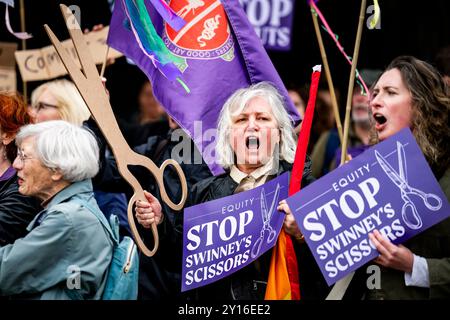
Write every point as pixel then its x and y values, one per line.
pixel 390 187
pixel 272 20
pixel 224 235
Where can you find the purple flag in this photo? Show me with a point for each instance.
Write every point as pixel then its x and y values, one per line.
pixel 217 52
pixel 224 235
pixel 390 187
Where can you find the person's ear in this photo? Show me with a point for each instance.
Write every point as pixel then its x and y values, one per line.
pixel 6 138
pixel 56 175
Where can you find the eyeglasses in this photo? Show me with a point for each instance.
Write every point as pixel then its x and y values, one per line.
pixel 42 105
pixel 22 157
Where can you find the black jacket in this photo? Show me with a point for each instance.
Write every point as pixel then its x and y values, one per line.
pixel 159 276
pixel 248 283
pixel 16 211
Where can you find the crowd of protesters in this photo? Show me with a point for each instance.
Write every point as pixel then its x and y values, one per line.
pixel 55 164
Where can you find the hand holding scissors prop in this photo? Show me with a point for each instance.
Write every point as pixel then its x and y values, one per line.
pixel 91 88
pixel 400 179
pixel 266 216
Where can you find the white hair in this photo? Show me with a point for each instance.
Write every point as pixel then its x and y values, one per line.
pixel 236 103
pixel 65 147
pixel 71 105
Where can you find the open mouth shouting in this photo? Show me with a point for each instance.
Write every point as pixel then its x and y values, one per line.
pixel 380 121
pixel 252 143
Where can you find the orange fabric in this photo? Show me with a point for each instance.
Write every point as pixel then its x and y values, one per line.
pixel 283 282
pixel 278 284
pixel 292 266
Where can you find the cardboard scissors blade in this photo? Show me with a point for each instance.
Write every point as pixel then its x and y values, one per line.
pixel 93 93
pixel 72 68
pixel 83 52
pixel 390 172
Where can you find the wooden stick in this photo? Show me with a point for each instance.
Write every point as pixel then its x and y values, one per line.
pixel 327 74
pixel 102 72
pixel 24 45
pixel 351 82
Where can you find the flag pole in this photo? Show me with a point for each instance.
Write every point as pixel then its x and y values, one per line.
pixel 339 289
pixel 351 82
pixel 327 73
pixel 102 72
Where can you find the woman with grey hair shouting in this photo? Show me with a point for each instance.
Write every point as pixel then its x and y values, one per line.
pixel 66 248
pixel 256 142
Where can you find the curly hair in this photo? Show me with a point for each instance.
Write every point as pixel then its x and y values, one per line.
pixel 13 115
pixel 431 108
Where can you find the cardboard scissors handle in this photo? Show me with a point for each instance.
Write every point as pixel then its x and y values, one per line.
pixel 91 89
pixel 138 193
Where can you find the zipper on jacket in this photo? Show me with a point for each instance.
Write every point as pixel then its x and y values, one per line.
pixel 129 259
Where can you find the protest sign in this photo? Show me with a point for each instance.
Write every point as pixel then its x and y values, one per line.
pixel 224 235
pixel 7 66
pixel 272 21
pixel 44 63
pixel 390 187
pixel 7 79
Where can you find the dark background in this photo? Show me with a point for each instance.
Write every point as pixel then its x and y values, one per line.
pixel 418 28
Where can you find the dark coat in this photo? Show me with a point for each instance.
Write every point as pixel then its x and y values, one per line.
pixel 249 282
pixel 434 245
pixel 159 276
pixel 16 211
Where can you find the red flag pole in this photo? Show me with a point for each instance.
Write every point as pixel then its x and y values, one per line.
pixel 302 144
pixel 283 256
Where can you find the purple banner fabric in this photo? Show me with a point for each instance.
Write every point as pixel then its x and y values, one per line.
pixel 390 187
pixel 220 55
pixel 272 20
pixel 168 14
pixel 8 174
pixel 353 151
pixel 224 235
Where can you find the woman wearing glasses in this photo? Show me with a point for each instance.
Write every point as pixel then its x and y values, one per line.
pixel 16 210
pixel 67 251
pixel 58 100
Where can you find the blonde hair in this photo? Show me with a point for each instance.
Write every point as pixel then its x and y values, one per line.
pixel 71 105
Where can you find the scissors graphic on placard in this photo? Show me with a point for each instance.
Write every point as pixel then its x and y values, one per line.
pixel 91 89
pixel 409 211
pixel 266 216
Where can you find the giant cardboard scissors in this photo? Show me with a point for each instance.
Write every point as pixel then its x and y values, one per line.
pixel 91 89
